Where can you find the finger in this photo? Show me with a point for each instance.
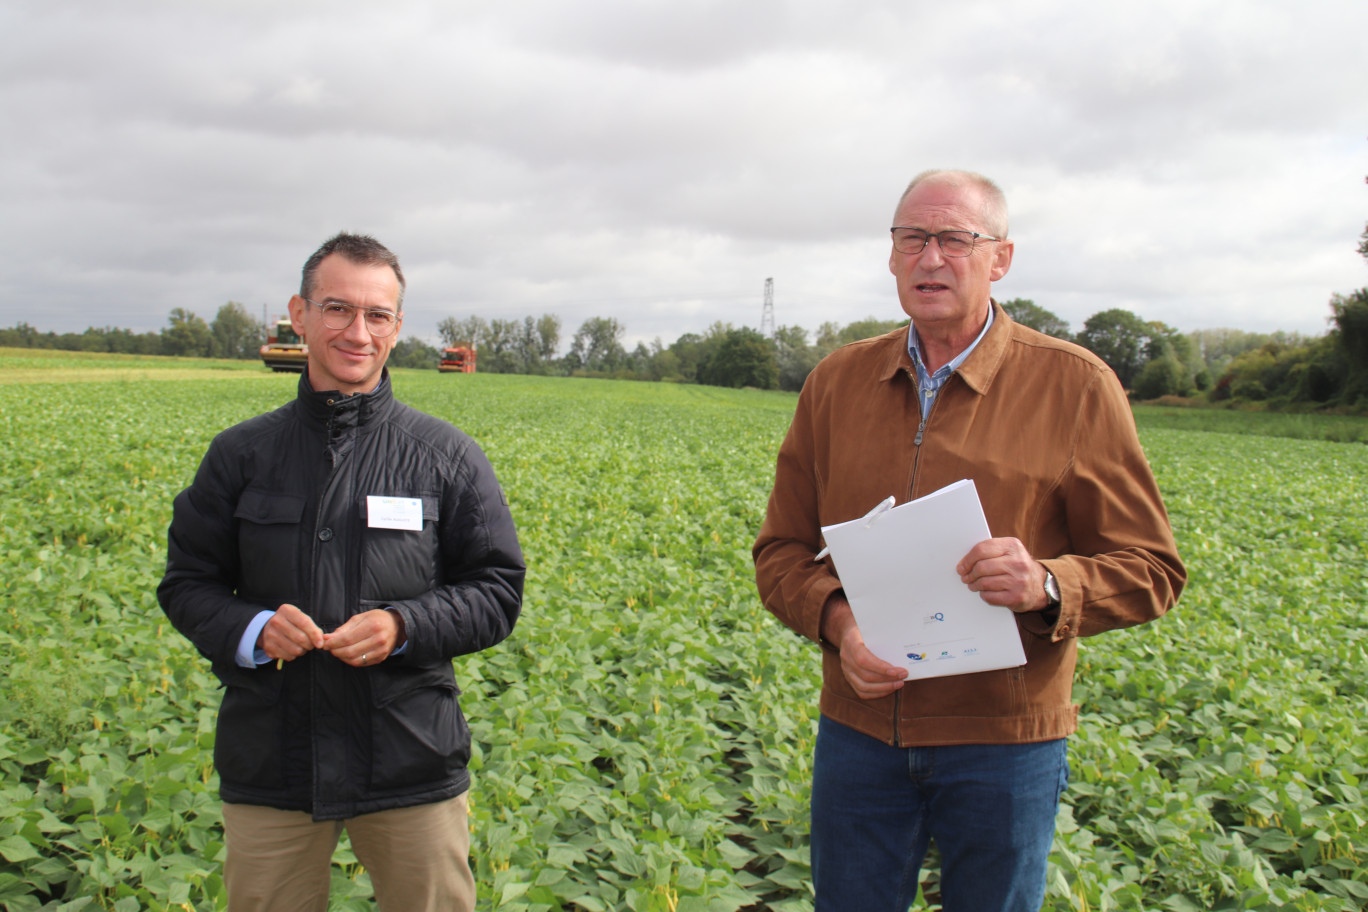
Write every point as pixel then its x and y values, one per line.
pixel 281 639
pixel 301 622
pixel 868 689
pixel 364 639
pixel 874 668
pixel 988 548
pixel 356 633
pixel 343 637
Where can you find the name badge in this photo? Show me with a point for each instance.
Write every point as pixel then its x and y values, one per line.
pixel 394 513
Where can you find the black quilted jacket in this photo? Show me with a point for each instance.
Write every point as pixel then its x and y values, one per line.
pixel 277 514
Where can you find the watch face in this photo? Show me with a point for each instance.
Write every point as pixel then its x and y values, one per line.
pixel 1051 587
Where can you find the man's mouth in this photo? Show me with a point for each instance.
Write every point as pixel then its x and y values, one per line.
pixel 930 288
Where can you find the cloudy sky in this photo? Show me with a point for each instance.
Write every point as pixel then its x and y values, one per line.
pixel 1199 162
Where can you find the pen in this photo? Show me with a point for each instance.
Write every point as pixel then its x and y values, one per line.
pixel 885 504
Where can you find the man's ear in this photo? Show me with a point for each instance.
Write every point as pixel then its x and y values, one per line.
pixel 297 306
pixel 1002 260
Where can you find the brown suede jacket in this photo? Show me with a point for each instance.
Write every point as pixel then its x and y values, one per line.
pixel 1045 431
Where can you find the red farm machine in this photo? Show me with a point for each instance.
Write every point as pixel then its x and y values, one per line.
pixel 459 359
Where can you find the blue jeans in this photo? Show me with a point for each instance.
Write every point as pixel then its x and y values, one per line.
pixel 875 809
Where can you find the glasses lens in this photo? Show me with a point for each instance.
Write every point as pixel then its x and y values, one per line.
pixel 908 241
pixel 337 316
pixel 380 322
pixel 956 243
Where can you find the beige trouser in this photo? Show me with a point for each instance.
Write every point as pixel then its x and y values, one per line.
pixel 417 858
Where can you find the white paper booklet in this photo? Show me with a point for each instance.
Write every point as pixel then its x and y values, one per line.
pixel 897 567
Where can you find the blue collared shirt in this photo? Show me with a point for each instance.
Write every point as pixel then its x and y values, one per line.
pixel 929 384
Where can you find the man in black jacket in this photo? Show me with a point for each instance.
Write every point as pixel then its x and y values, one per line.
pixel 330 559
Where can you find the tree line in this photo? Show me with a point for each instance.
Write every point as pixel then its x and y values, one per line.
pixel 1152 360
pixel 722 355
pixel 1280 370
pixel 234 333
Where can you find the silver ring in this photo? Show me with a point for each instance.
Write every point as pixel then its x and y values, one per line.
pixel 363 657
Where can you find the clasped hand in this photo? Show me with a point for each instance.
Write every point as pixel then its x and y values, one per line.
pixel 365 639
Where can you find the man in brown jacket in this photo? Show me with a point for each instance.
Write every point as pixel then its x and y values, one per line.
pixel 1082 544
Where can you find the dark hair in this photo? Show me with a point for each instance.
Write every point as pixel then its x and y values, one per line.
pixel 361 249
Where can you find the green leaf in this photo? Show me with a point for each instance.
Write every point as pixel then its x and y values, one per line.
pixel 16 849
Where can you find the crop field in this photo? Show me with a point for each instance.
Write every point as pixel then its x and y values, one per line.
pixel 643 739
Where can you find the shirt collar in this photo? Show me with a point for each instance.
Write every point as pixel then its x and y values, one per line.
pixel 914 349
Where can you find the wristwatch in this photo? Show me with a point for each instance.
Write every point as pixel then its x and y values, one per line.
pixel 1051 590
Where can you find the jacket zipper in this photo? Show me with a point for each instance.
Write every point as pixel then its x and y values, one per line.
pixel 331 456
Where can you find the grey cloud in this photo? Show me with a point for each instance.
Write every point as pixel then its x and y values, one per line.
pixel 1199 162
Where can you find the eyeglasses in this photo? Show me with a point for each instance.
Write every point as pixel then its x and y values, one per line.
pixel 337 315
pixel 952 243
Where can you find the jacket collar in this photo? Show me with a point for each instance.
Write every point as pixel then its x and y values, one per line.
pixel 978 370
pixel 328 405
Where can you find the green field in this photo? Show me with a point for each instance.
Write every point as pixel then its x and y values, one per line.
pixel 643 739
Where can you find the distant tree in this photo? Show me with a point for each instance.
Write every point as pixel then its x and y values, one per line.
pixel 638 364
pixel 689 351
pixel 414 352
pixel 471 331
pixel 186 334
pixel 1166 375
pixel 1029 313
pixel 125 341
pixel 1363 238
pixel 597 346
pixel 1118 337
pixel 20 335
pixel 743 358
pixel 1215 348
pixel 831 336
pixel 867 328
pixel 500 351
pixel 538 341
pixel 1349 314
pixel 664 362
pixel 1278 374
pixel 793 357
pixel 236 333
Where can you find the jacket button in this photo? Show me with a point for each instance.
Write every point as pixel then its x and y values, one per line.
pixel 325 534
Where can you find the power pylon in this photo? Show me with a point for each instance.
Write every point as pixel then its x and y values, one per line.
pixel 767 314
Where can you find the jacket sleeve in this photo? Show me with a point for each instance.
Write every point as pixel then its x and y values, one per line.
pixel 1122 566
pixel 480 595
pixel 792 585
pixel 198 590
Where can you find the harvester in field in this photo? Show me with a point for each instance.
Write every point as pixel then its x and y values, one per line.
pixel 459 359
pixel 284 350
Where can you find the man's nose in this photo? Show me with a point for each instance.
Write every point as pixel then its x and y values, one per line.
pixel 932 251
pixel 357 331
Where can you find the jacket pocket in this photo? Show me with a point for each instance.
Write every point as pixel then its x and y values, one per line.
pixel 268 541
pixel 418 734
pixel 400 563
pixel 247 747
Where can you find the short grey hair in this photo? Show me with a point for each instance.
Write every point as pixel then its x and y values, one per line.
pixel 994 200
